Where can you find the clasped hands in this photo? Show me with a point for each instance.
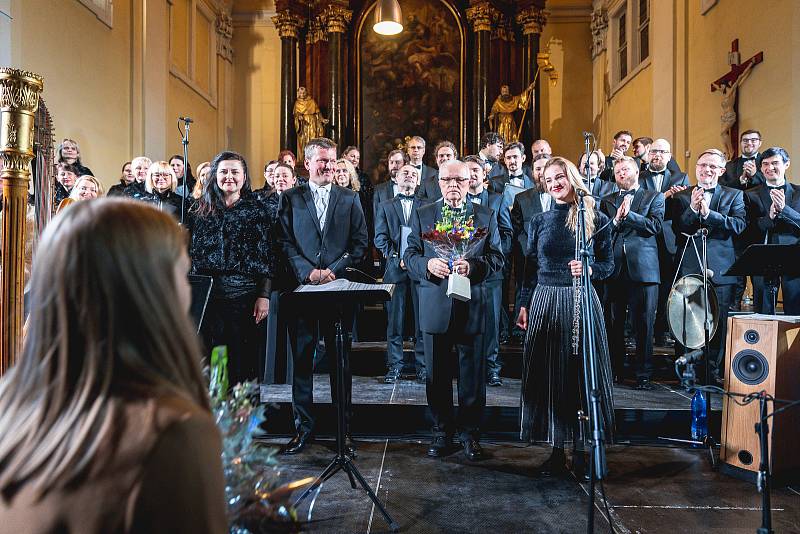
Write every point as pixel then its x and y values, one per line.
pixel 321 276
pixel 778 202
pixel 440 268
pixel 623 209
pixel 698 202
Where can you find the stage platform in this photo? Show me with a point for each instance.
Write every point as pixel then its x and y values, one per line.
pixel 649 490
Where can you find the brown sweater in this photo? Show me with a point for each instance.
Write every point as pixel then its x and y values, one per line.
pixel 162 474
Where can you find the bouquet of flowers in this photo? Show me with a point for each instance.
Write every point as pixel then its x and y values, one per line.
pixel 256 501
pixel 455 238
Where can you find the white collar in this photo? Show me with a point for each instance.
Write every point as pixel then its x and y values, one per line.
pixel 314 187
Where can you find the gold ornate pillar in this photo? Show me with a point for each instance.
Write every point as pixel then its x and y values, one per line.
pixel 336 17
pixel 480 15
pixel 532 19
pixel 288 25
pixel 19 100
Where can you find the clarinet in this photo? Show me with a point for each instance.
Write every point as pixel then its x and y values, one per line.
pixel 577 290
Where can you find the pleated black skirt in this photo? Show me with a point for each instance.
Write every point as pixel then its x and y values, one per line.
pixel 553 377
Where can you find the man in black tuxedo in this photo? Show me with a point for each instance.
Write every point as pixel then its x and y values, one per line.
pixel 659 178
pixel 387 190
pixel 538 147
pixel 416 152
pixel 515 172
pixel 449 323
pixel 322 233
pixel 490 152
pixel 743 172
pixel 773 210
pixel 636 215
pixel 392 225
pixel 596 185
pixel 622 143
pixel 720 211
pixel 478 194
pixel 429 189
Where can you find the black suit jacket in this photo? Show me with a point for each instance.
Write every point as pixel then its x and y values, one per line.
pixel 634 239
pixel 435 307
pixel 388 237
pixel 784 229
pixel 342 243
pixel 726 220
pixel 429 188
pixel 666 239
pixel 383 191
pixel 734 169
pixel 498 183
pixel 526 205
pixel 494 202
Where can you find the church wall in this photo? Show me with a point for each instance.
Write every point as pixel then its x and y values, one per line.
pixel 257 64
pixel 86 69
pixel 629 109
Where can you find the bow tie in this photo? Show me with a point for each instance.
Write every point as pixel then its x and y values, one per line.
pixel 628 192
pixel 748 158
pixel 418 166
pixel 516 176
pixel 401 196
pixel 710 191
pixel 781 187
pixel 470 196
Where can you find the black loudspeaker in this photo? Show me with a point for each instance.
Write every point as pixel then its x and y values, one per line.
pixel 761 356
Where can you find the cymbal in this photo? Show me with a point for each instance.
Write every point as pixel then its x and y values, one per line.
pixel 686 311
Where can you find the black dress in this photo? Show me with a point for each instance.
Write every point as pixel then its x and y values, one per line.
pixel 168 201
pixel 234 246
pixel 552 376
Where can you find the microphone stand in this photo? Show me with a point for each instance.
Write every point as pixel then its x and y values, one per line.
pixel 597 463
pixel 185 142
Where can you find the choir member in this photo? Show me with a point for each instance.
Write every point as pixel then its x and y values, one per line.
pixel 491 151
pixel 429 189
pixel 86 188
pixel 69 152
pixel 449 323
pixel 743 172
pixel 126 179
pixel 415 147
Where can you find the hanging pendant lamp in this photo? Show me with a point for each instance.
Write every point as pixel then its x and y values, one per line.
pixel 388 17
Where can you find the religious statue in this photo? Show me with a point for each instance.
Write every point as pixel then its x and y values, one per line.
pixel 728 117
pixel 308 121
pixel 503 110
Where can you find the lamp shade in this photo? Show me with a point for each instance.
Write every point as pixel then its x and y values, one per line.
pixel 388 18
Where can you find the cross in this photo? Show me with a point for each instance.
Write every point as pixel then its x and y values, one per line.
pixel 730 79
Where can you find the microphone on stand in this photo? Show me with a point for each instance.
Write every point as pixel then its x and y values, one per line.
pixel 690 357
pixel 186 119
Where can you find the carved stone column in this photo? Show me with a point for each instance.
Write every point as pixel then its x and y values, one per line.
pixel 599 26
pixel 532 19
pixel 480 15
pixel 19 100
pixel 336 18
pixel 288 25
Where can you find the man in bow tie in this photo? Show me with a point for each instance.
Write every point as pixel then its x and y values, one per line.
pixel 743 172
pixel 392 226
pixel 429 190
pixel 636 215
pixel 773 210
pixel 448 323
pixel 415 147
pixel 721 212
pixel 490 152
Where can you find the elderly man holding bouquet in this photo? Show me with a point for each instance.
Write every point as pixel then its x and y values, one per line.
pixel 453 247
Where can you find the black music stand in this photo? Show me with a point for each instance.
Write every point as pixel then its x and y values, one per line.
pixel 769 261
pixel 339 295
pixel 201 291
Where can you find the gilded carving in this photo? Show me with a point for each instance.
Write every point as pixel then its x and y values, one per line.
pixel 316 31
pixel 532 20
pixel 504 30
pixel 288 24
pixel 224 26
pixel 599 27
pixel 481 16
pixel 336 18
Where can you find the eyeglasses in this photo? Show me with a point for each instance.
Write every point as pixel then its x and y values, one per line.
pixel 751 140
pixel 655 151
pixel 709 166
pixel 161 175
pixel 450 179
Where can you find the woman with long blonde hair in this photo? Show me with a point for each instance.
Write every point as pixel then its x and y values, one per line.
pixel 552 378
pixel 104 420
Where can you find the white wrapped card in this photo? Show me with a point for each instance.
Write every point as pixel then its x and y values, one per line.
pixel 458 287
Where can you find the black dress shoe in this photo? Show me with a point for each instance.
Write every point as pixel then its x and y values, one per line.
pixel 643 384
pixel 349 446
pixel 298 443
pixel 440 446
pixel 554 466
pixel 472 449
pixel 393 375
pixel 494 380
pixel 422 376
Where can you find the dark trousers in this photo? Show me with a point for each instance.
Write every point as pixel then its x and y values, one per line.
pixel 764 301
pixel 666 263
pixel 491 336
pixel 305 330
pixel 278 365
pixel 441 365
pixel 395 315
pixel 641 300
pixel 230 322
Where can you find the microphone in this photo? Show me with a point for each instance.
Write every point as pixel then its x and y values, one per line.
pixel 587 134
pixel 691 357
pixel 359 271
pixel 185 119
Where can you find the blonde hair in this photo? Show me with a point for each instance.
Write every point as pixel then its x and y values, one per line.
pixel 576 181
pixel 355 184
pixel 202 175
pixel 103 331
pixel 160 166
pixel 86 178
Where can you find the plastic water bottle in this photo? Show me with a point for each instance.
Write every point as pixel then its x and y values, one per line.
pixel 699 422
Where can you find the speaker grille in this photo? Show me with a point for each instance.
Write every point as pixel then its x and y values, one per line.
pixel 750 367
pixel 751 337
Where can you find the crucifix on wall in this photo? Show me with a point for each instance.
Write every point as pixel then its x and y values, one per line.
pixel 729 85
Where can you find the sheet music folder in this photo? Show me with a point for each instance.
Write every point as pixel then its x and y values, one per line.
pixel 341 288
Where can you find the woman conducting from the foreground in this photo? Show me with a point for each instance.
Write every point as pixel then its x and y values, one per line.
pixel 552 376
pixel 104 420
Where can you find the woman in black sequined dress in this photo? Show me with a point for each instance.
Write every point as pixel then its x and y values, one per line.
pixel 552 379
pixel 231 242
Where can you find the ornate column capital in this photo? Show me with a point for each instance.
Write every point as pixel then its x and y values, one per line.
pixel 224 27
pixel 481 15
pixel 532 20
pixel 599 27
pixel 504 29
pixel 288 24
pixel 335 18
